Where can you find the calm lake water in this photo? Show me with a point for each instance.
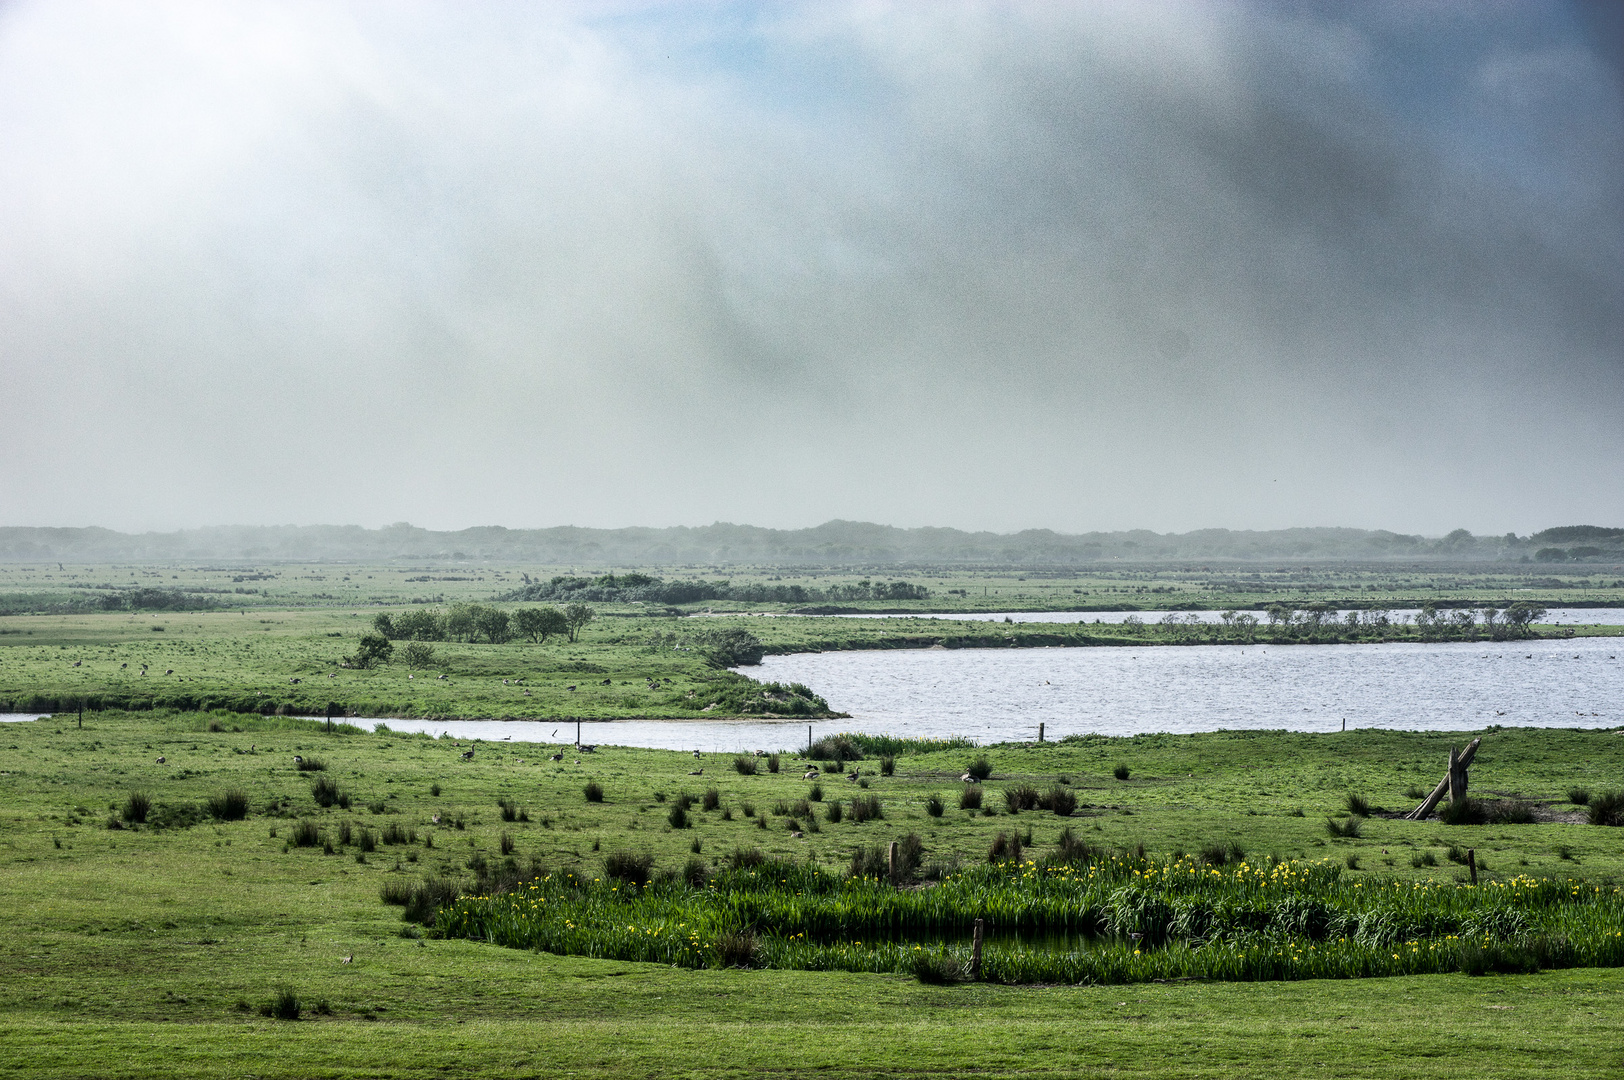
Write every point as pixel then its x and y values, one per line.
pixel 995 695
pixel 1555 616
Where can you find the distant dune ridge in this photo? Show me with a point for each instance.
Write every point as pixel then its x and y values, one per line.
pixel 834 543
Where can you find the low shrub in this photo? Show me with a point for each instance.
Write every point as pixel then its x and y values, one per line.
pixel 137 807
pixel 980 768
pixel 744 765
pixel 1120 772
pixel 594 791
pixel 970 797
pixel 229 805
pixel 629 867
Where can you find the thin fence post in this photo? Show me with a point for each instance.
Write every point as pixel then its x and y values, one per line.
pixel 1471 863
pixel 809 740
pixel 975 950
pixel 1040 732
pixel 577 735
pixel 891 861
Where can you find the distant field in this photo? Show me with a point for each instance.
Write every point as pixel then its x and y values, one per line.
pixel 151 950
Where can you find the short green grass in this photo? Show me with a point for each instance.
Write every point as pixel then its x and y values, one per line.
pixel 130 950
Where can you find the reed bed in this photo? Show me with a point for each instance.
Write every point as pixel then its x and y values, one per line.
pixel 1116 919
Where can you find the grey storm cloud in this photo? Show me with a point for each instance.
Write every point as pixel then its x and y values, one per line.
pixel 993 266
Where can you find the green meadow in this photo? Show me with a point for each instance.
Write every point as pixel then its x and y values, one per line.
pixel 158 946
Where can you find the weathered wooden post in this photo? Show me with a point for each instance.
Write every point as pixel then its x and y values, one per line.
pixel 1471 863
pixel 975 951
pixel 577 735
pixel 1454 780
pixel 891 862
pixel 1040 731
pixel 809 740
pixel 81 714
pixel 1457 777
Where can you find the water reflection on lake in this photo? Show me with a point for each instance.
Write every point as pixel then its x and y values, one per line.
pixel 993 694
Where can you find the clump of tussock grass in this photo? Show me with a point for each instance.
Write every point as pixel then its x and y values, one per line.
pixel 815 792
pixel 326 792
pixel 970 797
pixel 345 833
pixel 936 967
pixel 744 765
pixel 396 892
pixel 1350 827
pixel 678 817
pixel 712 799
pixel 695 873
pixel 1006 847
pixel 1423 858
pixel 684 800
pixel 834 812
pixel 311 764
pixel 1357 805
pixel 378 806
pixel 836 748
pixel 284 1006
pixel 865 808
pixel 1511 812
pixel 305 834
pixel 888 765
pixel 1414 792
pixel 1606 808
pixel 593 791
pixel 1463 812
pixel 394 833
pixel 509 809
pixel 629 867
pixel 736 949
pixel 747 808
pixel 137 807
pixel 1579 796
pixel 1021 797
pixel 1071 851
pixel 1121 772
pixel 505 842
pixel 934 805
pixel 228 805
pixel 1222 854
pixel 428 897
pixel 980 768
pixel 367 842
pixel 746 858
pixel 1060 801
pixel 772 763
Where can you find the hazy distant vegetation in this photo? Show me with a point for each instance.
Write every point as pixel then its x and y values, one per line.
pixel 834 543
pixel 641 588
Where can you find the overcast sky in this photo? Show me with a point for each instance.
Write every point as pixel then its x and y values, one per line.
pixel 1077 266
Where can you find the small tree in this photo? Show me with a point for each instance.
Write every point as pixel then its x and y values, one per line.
pixel 576 616
pixel 385 625
pixel 373 649
pixel 493 623
pixel 538 624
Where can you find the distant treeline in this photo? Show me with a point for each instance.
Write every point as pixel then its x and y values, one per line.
pixel 834 543
pixel 641 588
pixel 478 622
pixel 77 603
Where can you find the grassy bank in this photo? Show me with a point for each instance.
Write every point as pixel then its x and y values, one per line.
pixel 152 947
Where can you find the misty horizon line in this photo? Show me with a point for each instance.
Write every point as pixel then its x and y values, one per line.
pixel 832 544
